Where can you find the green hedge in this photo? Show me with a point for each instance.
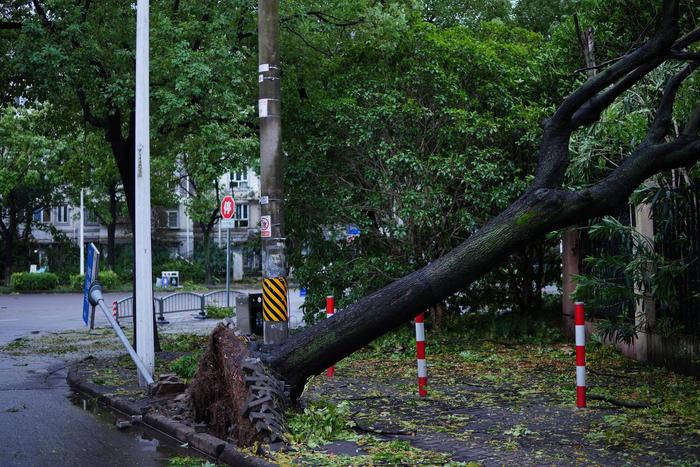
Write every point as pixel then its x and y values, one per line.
pixel 24 281
pixel 188 271
pixel 109 279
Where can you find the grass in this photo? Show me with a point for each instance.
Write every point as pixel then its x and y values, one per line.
pixel 182 342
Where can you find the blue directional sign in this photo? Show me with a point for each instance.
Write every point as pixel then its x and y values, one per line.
pixel 92 266
pixel 302 292
pixel 353 230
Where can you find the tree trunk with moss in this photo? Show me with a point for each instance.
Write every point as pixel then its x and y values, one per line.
pixel 545 206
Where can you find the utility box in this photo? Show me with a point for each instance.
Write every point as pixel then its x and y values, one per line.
pixel 249 318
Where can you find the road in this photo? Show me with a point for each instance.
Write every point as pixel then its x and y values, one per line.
pixel 41 426
pixel 41 422
pixel 27 313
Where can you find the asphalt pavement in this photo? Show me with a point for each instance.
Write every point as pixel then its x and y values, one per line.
pixel 42 423
pixel 27 313
pixel 41 426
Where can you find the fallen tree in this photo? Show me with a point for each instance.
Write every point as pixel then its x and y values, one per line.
pixel 544 207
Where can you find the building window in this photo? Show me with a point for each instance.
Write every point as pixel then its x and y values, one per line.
pixel 172 219
pixel 42 215
pixel 61 214
pixel 241 216
pixel 239 180
pixel 91 218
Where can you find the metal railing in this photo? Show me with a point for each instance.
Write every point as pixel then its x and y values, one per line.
pixel 178 302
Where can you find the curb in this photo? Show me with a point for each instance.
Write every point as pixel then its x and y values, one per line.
pixel 210 445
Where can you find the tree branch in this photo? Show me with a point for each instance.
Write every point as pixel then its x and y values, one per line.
pixel 99 122
pixel 664 114
pixel 685 55
pixel 335 21
pixel 10 25
pixel 666 34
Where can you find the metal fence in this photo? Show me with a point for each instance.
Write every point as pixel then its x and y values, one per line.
pixel 677 219
pixel 178 302
pixel 597 247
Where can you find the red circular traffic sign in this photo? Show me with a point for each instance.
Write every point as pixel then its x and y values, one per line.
pixel 228 207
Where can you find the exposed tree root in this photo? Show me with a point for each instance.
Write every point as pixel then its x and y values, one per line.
pixel 235 394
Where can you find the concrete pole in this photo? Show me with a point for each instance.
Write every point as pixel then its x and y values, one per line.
pixel 142 234
pixel 82 233
pixel 276 322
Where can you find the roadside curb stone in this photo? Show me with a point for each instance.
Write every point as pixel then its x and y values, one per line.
pixel 214 447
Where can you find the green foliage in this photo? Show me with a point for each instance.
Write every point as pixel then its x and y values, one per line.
pixel 619 280
pixel 109 280
pixel 218 312
pixel 186 366
pixel 27 281
pixel 182 342
pixel 188 271
pixel 395 127
pixel 189 461
pixel 321 422
pixel 77 281
pixel 28 180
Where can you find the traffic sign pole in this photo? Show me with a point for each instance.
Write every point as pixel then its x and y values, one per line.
pixel 228 213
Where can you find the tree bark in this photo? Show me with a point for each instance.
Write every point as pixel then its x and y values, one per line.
pixel 111 225
pixel 545 206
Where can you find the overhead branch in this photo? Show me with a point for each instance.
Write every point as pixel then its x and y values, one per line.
pixel 662 120
pixel 308 44
pixel 335 21
pixel 685 55
pixel 91 118
pixel 10 25
pixel 657 46
pixel 692 127
pixel 42 14
pixel 590 111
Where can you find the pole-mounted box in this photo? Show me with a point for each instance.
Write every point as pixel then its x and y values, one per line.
pixel 249 314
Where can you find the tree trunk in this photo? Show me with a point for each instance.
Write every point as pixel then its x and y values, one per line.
pixel 10 244
pixel 206 246
pixel 545 206
pixel 112 225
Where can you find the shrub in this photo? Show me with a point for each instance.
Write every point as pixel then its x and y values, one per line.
pixel 188 271
pixel 22 281
pixel 109 280
pixel 186 366
pixel 219 312
pixel 77 281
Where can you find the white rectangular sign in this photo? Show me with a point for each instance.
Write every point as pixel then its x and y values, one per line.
pixel 228 223
pixel 262 107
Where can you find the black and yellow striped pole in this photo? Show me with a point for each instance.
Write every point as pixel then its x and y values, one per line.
pixel 275 307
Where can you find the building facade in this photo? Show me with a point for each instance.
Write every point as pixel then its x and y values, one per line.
pixel 172 228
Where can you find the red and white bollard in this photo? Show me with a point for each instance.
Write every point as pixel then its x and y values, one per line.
pixel 580 355
pixel 114 311
pixel 330 309
pixel 420 355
